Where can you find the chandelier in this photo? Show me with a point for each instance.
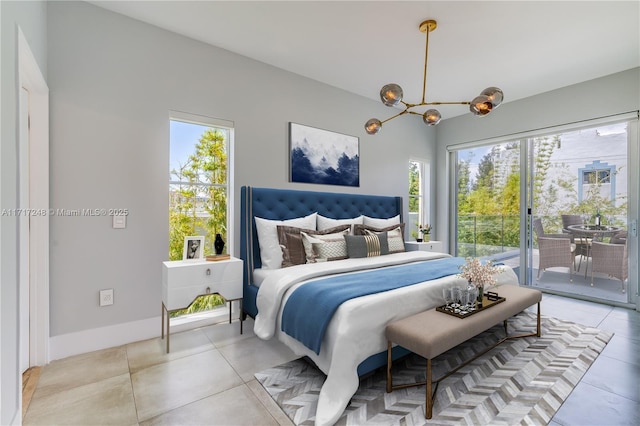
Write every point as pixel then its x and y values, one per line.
pixel 391 96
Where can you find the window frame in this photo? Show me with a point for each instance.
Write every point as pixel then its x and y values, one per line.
pixel 422 216
pixel 228 126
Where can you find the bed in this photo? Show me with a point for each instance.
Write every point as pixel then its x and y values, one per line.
pixel 352 341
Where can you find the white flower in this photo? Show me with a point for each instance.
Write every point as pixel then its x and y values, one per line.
pixel 477 273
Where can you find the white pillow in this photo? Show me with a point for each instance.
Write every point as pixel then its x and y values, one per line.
pixel 381 223
pixel 270 252
pixel 327 222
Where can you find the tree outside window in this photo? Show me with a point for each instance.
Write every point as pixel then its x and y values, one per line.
pixel 198 186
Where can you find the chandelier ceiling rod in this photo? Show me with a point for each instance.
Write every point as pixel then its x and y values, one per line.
pixel 391 95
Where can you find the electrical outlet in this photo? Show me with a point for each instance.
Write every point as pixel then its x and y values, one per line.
pixel 106 297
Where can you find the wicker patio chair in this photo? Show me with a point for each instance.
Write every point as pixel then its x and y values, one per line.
pixel 554 250
pixel 610 259
pixel 619 238
pixel 582 243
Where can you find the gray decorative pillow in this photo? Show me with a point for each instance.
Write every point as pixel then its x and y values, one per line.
pixel 290 240
pixel 395 235
pixel 367 245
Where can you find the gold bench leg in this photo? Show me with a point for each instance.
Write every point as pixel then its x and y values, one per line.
pixel 429 397
pixel 389 362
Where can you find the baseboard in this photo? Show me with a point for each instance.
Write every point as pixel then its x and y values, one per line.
pixel 96 339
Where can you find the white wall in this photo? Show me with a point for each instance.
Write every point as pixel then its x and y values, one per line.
pixel 113 81
pixel 31 18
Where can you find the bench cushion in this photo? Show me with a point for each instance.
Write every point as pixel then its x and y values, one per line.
pixel 431 333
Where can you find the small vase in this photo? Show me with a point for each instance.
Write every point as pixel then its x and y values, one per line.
pixel 426 238
pixel 218 244
pixel 480 294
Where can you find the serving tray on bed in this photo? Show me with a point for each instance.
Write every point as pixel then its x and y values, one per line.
pixel 486 304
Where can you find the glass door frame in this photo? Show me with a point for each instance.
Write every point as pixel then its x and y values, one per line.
pixel 526 191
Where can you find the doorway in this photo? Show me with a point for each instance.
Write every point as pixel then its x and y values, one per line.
pixel 583 172
pixel 33 223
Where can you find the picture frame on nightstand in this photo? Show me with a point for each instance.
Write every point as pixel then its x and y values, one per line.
pixel 193 248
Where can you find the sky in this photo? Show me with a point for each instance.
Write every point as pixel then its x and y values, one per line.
pixel 183 137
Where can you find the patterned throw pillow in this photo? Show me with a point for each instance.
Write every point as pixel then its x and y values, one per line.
pixel 290 239
pixel 367 245
pixel 395 235
pixel 320 248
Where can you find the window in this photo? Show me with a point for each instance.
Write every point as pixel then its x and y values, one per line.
pixel 596 176
pixel 418 205
pixel 599 177
pixel 198 187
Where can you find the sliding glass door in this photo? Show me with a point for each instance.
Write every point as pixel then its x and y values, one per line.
pixel 579 184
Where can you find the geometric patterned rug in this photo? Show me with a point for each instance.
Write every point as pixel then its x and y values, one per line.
pixel 522 381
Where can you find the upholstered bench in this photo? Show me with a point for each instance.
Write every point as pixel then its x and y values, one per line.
pixel 431 333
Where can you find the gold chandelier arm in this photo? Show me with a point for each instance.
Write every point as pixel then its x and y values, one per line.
pixel 426 55
pixel 397 115
pixel 448 103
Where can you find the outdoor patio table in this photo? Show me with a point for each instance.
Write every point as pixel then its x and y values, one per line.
pixel 593 232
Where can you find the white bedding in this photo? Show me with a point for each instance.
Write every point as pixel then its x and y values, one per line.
pixel 356 330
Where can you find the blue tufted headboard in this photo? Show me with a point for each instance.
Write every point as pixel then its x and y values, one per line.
pixel 281 204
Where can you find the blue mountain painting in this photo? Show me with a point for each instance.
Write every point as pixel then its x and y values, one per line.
pixel 346 173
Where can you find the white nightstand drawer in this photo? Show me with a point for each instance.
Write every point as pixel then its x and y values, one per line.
pixel 177 298
pixel 182 281
pixel 423 246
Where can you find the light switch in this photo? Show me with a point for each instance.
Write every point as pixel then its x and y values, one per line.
pixel 119 222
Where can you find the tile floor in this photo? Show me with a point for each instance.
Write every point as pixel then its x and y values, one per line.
pixel 207 379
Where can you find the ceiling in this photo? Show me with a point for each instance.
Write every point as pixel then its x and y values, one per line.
pixel 525 48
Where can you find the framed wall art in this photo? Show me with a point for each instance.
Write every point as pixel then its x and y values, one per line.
pixel 324 157
pixel 193 248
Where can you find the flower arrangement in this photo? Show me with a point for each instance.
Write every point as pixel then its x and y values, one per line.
pixel 424 229
pixel 478 273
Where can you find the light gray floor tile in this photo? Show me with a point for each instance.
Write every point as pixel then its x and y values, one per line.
pixel 154 351
pixel 164 387
pixel 590 406
pixel 236 406
pixel 225 334
pixel 615 376
pixel 579 311
pixel 623 349
pixel 87 368
pixel 105 402
pixel 267 401
pixel 622 327
pixel 252 355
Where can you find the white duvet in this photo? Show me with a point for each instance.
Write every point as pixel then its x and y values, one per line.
pixel 356 330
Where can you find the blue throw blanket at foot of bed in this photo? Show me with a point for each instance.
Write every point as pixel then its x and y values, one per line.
pixel 310 307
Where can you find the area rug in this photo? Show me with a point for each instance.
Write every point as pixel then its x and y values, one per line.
pixel 522 381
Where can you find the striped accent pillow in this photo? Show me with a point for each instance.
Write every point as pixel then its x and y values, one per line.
pixel 395 235
pixel 367 245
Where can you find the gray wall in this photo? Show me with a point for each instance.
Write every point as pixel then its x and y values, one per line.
pixel 31 18
pixel 113 81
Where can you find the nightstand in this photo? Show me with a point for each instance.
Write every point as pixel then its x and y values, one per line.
pixel 185 280
pixel 424 246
